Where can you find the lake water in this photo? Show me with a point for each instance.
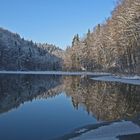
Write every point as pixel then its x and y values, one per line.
pixel 35 107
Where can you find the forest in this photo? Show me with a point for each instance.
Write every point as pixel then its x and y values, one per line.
pixel 112 46
pixel 16 53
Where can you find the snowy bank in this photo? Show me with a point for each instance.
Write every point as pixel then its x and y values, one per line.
pixel 55 73
pixel 128 80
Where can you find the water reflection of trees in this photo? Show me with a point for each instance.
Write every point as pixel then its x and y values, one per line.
pixel 16 89
pixel 107 101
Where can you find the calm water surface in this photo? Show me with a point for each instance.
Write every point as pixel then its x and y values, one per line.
pixel 45 107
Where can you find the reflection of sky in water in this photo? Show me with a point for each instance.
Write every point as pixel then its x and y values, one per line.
pixel 42 119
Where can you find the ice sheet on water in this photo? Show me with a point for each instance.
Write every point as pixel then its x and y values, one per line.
pixel 110 132
pixel 135 80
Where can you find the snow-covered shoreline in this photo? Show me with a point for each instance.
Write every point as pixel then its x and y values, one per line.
pixel 55 73
pixel 97 76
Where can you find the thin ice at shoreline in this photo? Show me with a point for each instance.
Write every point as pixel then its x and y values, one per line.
pixel 135 80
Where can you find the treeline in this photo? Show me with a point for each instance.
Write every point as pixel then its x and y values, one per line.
pixel 112 46
pixel 19 54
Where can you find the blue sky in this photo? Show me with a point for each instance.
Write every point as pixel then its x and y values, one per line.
pixel 53 21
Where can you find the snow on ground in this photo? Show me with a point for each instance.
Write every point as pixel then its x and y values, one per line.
pixel 128 80
pixel 55 73
pixel 110 132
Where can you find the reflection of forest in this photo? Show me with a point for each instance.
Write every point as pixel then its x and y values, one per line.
pixel 16 89
pixel 106 101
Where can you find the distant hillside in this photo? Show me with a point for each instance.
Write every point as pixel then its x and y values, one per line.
pixel 19 54
pixel 52 49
